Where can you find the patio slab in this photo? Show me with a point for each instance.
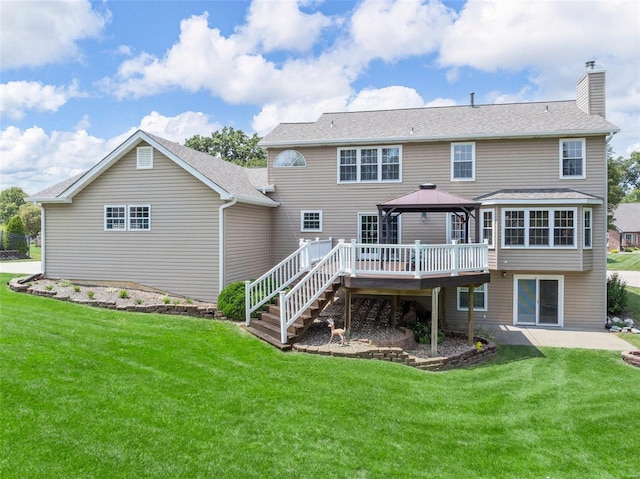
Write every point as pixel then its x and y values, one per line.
pixel 560 338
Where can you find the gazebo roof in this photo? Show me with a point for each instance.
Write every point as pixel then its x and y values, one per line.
pixel 429 198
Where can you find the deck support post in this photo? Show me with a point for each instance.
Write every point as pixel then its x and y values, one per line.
pixel 470 316
pixel 443 309
pixel 434 321
pixel 347 312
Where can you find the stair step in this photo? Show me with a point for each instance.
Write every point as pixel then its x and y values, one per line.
pixel 299 325
pixel 268 338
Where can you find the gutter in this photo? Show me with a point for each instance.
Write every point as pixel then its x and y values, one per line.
pixel 223 207
pixel 42 237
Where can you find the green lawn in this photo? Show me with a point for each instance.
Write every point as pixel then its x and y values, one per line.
pixel 623 261
pixel 104 394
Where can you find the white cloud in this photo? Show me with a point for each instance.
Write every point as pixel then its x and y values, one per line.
pixel 43 32
pixel 391 30
pixel 16 97
pixel 34 159
pixel 386 99
pixel 280 26
pixel 441 102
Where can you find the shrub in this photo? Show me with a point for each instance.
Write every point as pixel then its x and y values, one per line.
pixel 139 301
pixel 49 287
pixel 231 301
pixel 123 294
pixel 616 294
pixel 65 283
pixel 91 294
pixel 14 237
pixel 422 333
pixel 76 288
pixel 614 251
pixel 166 300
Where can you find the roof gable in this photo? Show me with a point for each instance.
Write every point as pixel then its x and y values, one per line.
pixel 627 217
pixel 226 179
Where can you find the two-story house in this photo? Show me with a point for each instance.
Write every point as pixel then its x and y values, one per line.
pixel 527 179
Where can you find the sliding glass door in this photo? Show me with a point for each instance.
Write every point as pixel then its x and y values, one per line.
pixel 538 300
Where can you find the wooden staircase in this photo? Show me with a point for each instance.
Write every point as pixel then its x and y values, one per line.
pixel 267 325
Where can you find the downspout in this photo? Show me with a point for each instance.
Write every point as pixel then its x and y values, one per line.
pixel 221 241
pixel 42 237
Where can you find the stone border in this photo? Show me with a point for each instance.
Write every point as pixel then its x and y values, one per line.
pixel 631 357
pixel 193 310
pixel 398 355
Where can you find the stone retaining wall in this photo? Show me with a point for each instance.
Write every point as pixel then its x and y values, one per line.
pixel 632 358
pixel 193 310
pixel 398 355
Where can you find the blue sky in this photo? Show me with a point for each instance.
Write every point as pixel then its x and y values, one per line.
pixel 78 77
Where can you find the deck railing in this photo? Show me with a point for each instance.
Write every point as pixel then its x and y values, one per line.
pixel 417 260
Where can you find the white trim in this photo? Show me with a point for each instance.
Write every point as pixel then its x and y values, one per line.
pixel 449 236
pixel 527 227
pixel 538 277
pixel 358 164
pixel 302 220
pixel 486 297
pixel 290 153
pixel 221 263
pixel 584 159
pixel 473 160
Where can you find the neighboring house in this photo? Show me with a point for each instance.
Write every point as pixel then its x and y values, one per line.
pixel 528 178
pixel 160 215
pixel 627 223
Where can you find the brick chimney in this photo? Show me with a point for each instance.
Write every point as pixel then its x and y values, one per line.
pixel 590 91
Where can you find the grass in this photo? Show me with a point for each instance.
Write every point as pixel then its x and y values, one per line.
pixel 99 393
pixel 623 261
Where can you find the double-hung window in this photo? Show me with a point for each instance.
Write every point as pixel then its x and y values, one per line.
pixel 587 228
pixel 463 161
pixel 572 159
pixel 487 228
pixel 369 164
pixel 311 221
pixel 127 218
pixel 539 228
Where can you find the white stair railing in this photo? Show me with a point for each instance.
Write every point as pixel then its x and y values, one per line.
pixel 302 295
pixel 276 279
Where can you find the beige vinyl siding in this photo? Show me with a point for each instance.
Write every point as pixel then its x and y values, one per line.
pixel 180 252
pixel 247 242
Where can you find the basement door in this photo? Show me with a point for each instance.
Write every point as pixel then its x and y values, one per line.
pixel 538 300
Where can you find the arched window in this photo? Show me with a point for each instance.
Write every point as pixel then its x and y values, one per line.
pixel 289 158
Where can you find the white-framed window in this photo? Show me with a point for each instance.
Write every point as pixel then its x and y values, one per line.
pixel 573 158
pixel 587 228
pixel 127 218
pixel 455 228
pixel 463 161
pixel 370 164
pixel 487 227
pixel 288 159
pixel 311 220
pixel 539 228
pixel 139 217
pixel 144 157
pixel 480 298
pixel 115 218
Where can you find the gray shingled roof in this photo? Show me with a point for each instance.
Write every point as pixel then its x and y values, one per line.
pixel 235 180
pixel 627 217
pixel 441 123
pixel 535 194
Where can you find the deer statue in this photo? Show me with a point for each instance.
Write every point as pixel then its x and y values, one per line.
pixel 335 332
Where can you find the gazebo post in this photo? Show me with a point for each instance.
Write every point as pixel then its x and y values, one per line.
pixel 434 321
pixel 470 316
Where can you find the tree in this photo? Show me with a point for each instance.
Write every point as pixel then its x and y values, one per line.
pixel 30 216
pixel 615 189
pixel 232 145
pixel 10 201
